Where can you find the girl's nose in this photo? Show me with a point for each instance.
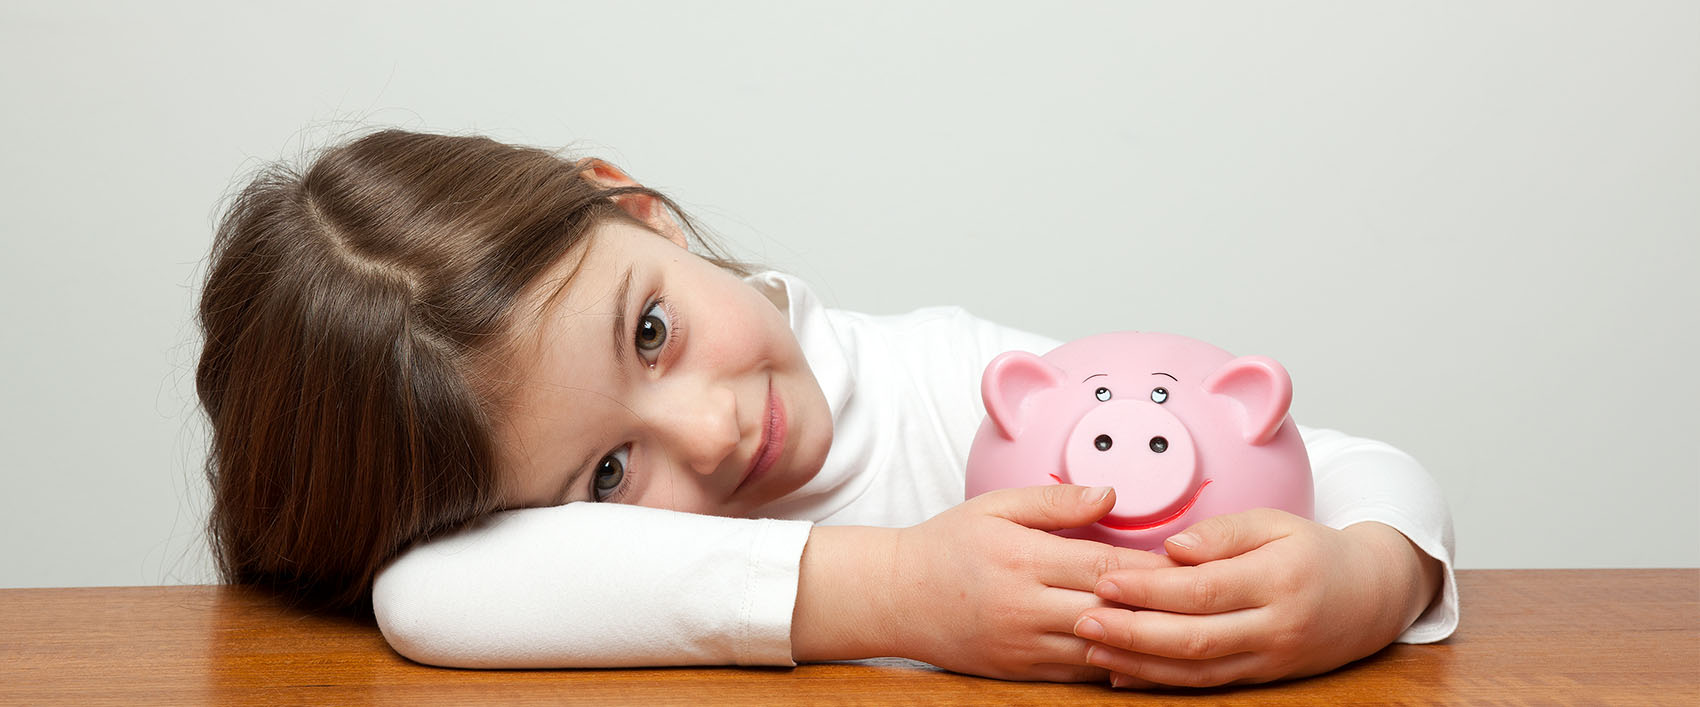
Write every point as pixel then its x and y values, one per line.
pixel 700 428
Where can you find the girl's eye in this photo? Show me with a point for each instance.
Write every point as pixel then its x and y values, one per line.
pixel 1158 395
pixel 1102 393
pixel 609 474
pixel 652 332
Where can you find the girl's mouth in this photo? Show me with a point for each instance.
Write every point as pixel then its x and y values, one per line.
pixel 772 440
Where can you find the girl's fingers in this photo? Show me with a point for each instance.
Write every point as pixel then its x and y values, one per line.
pixel 1058 611
pixel 1222 537
pixel 1079 564
pixel 1061 657
pixel 1050 507
pixel 1240 667
pixel 1128 682
pixel 1227 585
pixel 1181 636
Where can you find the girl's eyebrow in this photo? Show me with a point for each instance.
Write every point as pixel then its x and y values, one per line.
pixel 622 302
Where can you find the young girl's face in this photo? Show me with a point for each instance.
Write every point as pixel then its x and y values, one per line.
pixel 658 379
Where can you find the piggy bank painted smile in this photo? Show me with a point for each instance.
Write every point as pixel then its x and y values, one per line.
pixel 1183 431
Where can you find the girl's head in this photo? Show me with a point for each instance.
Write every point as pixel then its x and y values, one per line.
pixel 419 329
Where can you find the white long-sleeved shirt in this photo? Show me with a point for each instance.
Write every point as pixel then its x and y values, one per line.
pixel 603 585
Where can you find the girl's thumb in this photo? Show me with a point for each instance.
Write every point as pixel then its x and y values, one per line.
pixel 1051 507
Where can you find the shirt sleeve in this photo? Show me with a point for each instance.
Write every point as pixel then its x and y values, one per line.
pixel 1360 480
pixel 596 586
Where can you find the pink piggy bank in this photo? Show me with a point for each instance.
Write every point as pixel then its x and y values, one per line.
pixel 1183 431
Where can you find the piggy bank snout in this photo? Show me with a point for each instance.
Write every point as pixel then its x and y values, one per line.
pixel 1140 449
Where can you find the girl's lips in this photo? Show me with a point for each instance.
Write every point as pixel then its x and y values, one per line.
pixel 772 440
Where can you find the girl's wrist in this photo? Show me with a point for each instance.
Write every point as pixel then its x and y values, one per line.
pixel 845 609
pixel 1405 571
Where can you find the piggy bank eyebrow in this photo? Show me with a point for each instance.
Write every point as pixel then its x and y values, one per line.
pixel 1160 373
pixel 1090 377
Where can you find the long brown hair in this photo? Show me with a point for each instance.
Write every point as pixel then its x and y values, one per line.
pixel 354 314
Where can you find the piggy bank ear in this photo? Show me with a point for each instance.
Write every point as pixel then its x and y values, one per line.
pixel 1262 390
pixel 1010 380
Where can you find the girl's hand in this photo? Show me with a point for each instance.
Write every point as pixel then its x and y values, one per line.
pixel 983 589
pixel 1261 596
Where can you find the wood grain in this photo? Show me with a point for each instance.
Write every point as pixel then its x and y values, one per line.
pixel 1528 637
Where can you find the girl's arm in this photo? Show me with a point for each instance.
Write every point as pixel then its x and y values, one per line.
pixel 1266 595
pixel 975 589
pixel 596 586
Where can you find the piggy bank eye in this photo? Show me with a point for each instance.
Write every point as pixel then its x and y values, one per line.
pixel 1102 393
pixel 1158 395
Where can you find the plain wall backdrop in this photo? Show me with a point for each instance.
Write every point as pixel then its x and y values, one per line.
pixel 1466 228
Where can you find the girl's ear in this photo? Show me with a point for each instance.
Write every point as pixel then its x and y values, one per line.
pixel 647 209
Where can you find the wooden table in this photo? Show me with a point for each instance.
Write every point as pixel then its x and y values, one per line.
pixel 1592 636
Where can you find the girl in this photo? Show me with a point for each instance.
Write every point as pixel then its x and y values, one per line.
pixel 421 335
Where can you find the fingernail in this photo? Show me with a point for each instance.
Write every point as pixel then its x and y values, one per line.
pixel 1095 657
pixel 1118 681
pixel 1097 494
pixel 1108 590
pixel 1184 541
pixel 1089 629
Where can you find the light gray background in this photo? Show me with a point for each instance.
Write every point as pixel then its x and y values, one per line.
pixel 1467 228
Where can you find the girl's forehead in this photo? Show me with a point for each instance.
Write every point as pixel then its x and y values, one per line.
pixel 591 271
pixel 580 279
pixel 572 311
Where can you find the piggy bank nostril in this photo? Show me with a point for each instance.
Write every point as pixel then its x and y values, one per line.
pixel 1159 445
pixel 1103 443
